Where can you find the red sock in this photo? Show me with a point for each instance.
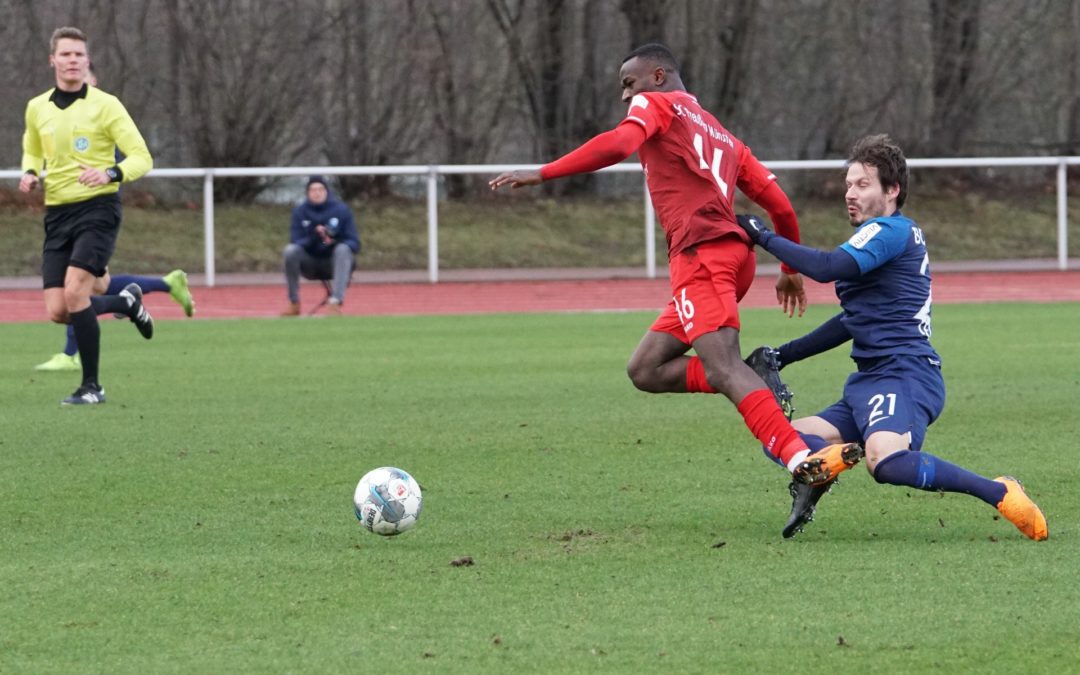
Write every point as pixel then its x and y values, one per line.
pixel 695 377
pixel 766 421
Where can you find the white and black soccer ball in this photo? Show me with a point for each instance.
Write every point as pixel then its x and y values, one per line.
pixel 387 501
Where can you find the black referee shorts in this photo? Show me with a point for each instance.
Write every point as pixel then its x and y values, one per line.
pixel 80 235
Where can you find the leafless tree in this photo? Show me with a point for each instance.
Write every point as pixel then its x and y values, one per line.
pixel 372 101
pixel 565 57
pixel 955 50
pixel 647 19
pixel 537 57
pixel 369 82
pixel 468 96
pixel 242 96
pixel 1069 108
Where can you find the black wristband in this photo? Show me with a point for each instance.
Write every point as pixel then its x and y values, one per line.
pixel 31 172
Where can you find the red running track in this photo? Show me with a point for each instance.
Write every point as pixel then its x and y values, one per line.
pixel 482 297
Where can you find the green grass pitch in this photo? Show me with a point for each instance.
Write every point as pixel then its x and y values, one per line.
pixel 201 520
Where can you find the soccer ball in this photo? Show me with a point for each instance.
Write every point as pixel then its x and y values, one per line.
pixel 387 501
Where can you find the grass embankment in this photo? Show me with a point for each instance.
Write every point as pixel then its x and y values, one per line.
pixel 523 231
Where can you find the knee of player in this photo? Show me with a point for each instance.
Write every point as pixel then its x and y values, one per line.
pixel 75 298
pixel 643 375
pixel 58 314
pixel 871 468
pixel 875 456
pixel 291 251
pixel 637 374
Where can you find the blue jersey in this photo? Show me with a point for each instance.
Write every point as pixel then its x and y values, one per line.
pixel 887 308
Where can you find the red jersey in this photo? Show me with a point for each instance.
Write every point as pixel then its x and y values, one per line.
pixel 692 164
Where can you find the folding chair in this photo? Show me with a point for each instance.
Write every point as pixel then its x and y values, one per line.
pixel 328 286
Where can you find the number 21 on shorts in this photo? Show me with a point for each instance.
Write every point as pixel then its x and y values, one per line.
pixel 880 410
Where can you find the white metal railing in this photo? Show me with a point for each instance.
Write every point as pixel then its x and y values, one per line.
pixel 433 171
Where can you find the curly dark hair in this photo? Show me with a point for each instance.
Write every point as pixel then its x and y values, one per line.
pixel 880 152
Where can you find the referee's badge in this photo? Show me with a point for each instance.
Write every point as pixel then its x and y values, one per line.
pixel 82 143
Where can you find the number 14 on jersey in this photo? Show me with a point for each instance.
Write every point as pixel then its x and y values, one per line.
pixel 714 168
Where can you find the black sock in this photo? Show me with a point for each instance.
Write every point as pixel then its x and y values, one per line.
pixel 88 337
pixel 109 304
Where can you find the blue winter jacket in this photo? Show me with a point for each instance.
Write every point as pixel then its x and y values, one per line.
pixel 337 218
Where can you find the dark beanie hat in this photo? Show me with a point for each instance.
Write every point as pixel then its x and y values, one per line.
pixel 317 179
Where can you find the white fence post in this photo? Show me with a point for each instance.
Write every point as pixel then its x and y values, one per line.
pixel 1063 214
pixel 208 225
pixel 433 223
pixel 650 234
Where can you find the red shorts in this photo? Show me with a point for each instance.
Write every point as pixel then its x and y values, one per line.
pixel 707 282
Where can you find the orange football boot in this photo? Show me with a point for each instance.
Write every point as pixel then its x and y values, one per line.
pixel 828 463
pixel 1021 511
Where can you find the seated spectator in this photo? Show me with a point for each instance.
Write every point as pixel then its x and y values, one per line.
pixel 323 243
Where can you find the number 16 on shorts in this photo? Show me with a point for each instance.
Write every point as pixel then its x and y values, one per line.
pixel 685 309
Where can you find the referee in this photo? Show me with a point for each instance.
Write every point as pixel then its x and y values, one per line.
pixel 74 131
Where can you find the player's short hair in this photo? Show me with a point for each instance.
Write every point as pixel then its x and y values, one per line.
pixel 69 32
pixel 880 152
pixel 658 54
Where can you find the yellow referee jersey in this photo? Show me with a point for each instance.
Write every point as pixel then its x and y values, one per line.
pixel 87 132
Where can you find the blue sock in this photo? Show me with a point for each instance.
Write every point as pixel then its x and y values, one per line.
pixel 147 284
pixel 813 442
pixel 70 348
pixel 926 472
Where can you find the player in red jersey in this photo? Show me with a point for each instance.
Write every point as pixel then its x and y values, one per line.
pixel 692 165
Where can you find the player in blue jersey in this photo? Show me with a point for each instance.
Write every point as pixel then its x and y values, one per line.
pixel 174 283
pixel 882 276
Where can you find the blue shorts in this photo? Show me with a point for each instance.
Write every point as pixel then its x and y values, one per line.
pixel 901 394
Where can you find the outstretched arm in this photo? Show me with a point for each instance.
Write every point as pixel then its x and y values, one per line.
pixel 823 338
pixel 822 266
pixel 610 147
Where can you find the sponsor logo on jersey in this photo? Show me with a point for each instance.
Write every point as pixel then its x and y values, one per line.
pixel 714 133
pixel 860 238
pixel 82 143
pixel 639 101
